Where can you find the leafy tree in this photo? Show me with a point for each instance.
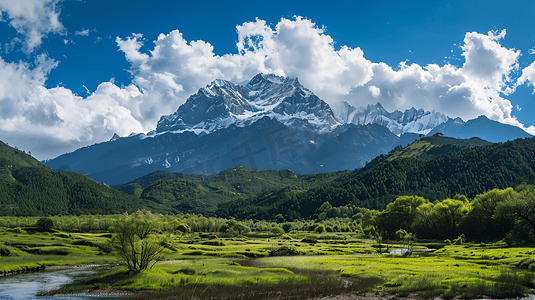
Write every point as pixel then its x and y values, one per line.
pixel 521 206
pixel 137 240
pixel 440 220
pixel 287 227
pixel 483 221
pixel 44 224
pixel 277 231
pixel 399 214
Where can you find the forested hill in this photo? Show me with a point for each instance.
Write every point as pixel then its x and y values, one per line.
pixel 29 188
pixel 12 157
pixel 468 171
pixel 189 193
pixel 429 148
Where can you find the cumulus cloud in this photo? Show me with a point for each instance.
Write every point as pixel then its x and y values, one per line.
pixel 174 69
pixel 527 77
pixel 32 19
pixel 57 119
pixel 476 88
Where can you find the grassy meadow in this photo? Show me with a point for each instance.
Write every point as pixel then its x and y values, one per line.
pixel 267 265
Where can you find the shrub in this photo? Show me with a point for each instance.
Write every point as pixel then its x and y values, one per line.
pixel 105 248
pixel 183 228
pixel 4 251
pixel 284 250
pixel 18 230
pixel 525 263
pixel 277 231
pixel 309 240
pixel 44 224
pixel 287 227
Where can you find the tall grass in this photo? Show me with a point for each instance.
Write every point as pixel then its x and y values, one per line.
pixel 310 287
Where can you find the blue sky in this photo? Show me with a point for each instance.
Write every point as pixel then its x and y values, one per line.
pixel 75 72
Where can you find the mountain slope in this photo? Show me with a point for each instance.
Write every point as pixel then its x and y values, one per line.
pixel 10 157
pixel 428 148
pixel 222 103
pixel 469 171
pixel 271 123
pixel 481 127
pixel 29 188
pixel 188 193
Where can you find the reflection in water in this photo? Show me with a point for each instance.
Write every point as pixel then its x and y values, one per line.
pixel 26 286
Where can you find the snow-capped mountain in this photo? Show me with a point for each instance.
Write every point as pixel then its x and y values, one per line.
pixel 223 103
pixel 272 122
pixel 411 120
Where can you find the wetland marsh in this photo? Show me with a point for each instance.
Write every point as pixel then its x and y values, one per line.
pixel 264 265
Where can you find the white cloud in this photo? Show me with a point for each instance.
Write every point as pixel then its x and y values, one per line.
pixel 527 77
pixel 84 32
pixel 32 116
pixel 375 91
pixel 476 88
pixel 531 51
pixel 33 19
pixel 174 69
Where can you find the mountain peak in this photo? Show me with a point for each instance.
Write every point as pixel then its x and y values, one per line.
pixel 115 137
pixel 222 103
pixel 411 120
pixel 273 78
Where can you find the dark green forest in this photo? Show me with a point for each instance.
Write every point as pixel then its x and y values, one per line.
pixel 466 171
pixel 434 168
pixel 188 193
pixel 29 188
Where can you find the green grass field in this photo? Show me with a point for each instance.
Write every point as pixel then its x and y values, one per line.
pixel 301 264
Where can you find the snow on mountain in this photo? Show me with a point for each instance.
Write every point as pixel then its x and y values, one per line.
pixel 411 120
pixel 223 103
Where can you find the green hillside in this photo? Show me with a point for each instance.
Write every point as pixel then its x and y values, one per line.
pixel 434 167
pixel 184 192
pixel 29 188
pixel 468 171
pixel 12 157
pixel 429 147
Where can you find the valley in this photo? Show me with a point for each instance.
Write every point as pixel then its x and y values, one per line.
pixel 260 190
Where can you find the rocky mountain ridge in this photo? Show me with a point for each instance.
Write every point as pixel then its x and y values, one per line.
pixel 272 122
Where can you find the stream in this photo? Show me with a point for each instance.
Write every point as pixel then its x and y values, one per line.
pixel 26 286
